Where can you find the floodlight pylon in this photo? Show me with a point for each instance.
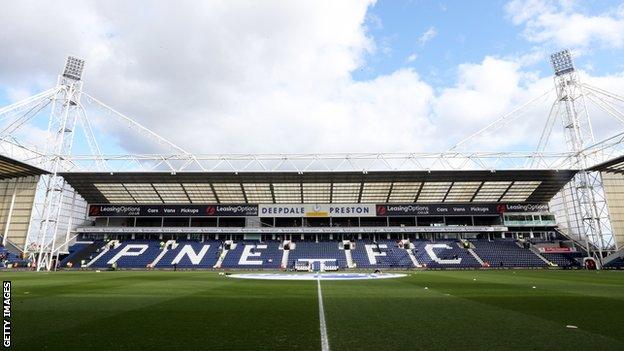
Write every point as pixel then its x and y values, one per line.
pixel 582 201
pixel 61 125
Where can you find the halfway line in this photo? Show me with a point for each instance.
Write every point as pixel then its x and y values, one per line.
pixel 323 326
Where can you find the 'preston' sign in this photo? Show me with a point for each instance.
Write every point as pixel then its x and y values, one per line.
pixel 317 210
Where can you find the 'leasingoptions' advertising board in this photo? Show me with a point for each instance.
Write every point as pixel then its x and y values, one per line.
pixel 213 210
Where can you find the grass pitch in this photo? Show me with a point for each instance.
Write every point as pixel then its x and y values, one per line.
pixel 468 310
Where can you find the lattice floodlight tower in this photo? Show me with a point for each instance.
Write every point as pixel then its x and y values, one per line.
pixel 583 200
pixel 65 109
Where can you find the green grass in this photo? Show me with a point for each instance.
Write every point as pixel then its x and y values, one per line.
pixel 201 310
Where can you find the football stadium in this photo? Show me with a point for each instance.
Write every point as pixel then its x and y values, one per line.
pixel 359 251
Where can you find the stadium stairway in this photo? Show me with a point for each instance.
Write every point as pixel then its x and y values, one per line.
pixel 410 253
pixel 80 251
pixel 564 260
pixel 11 247
pixel 190 254
pixel 582 246
pixel 617 263
pixel 223 254
pixel 11 257
pixel 538 254
pixel 476 257
pixel 285 254
pixel 233 255
pixel 113 244
pixel 470 248
pixel 349 258
pixel 506 253
pixel 169 245
pixel 614 260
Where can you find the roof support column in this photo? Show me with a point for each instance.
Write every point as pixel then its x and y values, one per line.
pixel 8 221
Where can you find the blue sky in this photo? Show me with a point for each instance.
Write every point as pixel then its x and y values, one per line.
pixel 311 76
pixel 465 31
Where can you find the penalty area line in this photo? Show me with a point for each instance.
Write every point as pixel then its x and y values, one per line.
pixel 323 325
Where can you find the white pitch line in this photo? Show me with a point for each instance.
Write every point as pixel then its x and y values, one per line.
pixel 323 325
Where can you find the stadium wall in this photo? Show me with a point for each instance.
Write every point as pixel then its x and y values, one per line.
pixel 18 223
pixel 567 212
pixel 73 214
pixel 613 184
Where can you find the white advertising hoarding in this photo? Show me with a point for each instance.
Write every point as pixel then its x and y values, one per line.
pixel 316 210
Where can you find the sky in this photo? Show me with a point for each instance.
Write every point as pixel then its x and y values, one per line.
pixel 312 76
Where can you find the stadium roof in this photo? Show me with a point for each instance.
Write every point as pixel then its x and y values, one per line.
pixel 536 186
pixel 615 165
pixel 10 168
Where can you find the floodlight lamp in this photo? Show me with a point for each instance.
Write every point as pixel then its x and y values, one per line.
pixel 73 68
pixel 562 62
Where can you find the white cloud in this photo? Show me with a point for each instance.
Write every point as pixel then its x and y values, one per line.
pixel 560 22
pixel 224 77
pixel 535 56
pixel 484 92
pixel 412 57
pixel 429 34
pixel 17 94
pixel 494 87
pixel 234 77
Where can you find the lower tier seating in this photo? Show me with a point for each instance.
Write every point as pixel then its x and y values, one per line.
pixel 565 260
pixel 506 253
pixel 381 254
pixel 444 254
pixel 328 252
pixel 617 263
pixel 7 258
pixel 251 254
